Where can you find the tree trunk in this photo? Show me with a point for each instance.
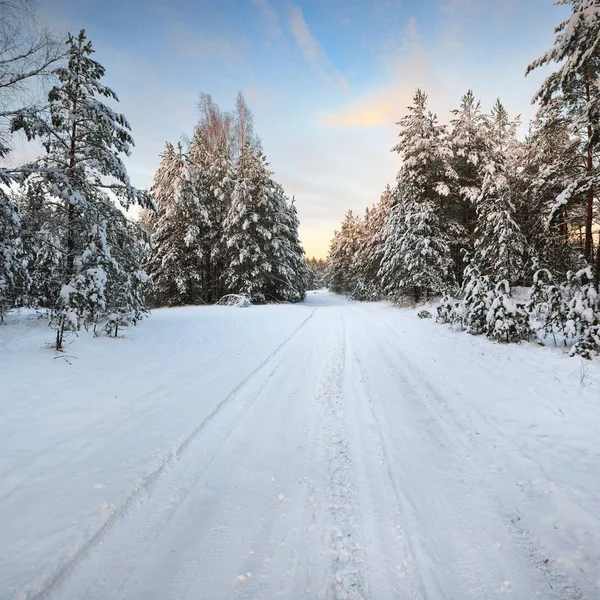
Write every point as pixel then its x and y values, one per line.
pixel 589 219
pixel 597 269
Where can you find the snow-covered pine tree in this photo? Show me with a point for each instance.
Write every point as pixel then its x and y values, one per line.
pixel 427 264
pixel 549 158
pixel 249 227
pixel 83 139
pixel 43 227
pixel 468 147
pixel 14 274
pixel 289 276
pixel 178 242
pixel 392 272
pixel 417 213
pixel 499 247
pixel 341 260
pixel 317 273
pixel 503 139
pixel 370 253
pixel 574 88
pixel 210 157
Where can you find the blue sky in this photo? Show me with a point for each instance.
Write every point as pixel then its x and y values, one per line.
pixel 326 79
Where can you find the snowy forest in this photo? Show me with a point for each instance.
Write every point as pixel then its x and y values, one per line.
pixel 214 225
pixel 478 213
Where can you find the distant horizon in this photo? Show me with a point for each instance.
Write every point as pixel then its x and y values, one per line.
pixel 326 82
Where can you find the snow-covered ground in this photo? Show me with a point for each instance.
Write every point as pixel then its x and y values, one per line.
pixel 324 450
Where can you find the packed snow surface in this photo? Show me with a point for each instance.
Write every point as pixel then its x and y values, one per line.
pixel 325 450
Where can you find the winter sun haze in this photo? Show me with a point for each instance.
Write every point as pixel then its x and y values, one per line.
pixel 326 79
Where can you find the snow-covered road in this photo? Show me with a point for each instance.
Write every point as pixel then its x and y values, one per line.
pixel 327 450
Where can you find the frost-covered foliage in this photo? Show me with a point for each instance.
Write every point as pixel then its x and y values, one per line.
pixel 239 300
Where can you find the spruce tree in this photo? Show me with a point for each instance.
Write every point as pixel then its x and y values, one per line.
pixel 289 277
pixel 574 89
pixel 180 226
pixel 416 221
pixel 14 274
pixel 84 140
pixel 425 253
pixel 341 260
pixel 499 243
pixel 468 145
pixel 249 227
pixel 371 251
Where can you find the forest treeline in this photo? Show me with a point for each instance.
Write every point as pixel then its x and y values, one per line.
pixel 214 223
pixel 476 212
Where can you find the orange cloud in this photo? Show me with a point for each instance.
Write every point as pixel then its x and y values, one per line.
pixel 409 71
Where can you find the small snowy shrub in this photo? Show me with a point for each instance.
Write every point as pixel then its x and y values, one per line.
pixel 239 300
pixel 506 319
pixel 448 310
pixel 476 302
pixel 546 307
pixel 424 314
pixel 583 313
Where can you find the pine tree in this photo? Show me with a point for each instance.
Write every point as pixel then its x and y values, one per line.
pixel 249 227
pixel 289 277
pixel 14 275
pixel 341 260
pixel 425 252
pixel 549 160
pixel 83 139
pixel 316 272
pixel 213 163
pixel 415 235
pixel 43 227
pixel 468 147
pixel 575 90
pixel 371 251
pixel 392 272
pixel 177 256
pixel 499 244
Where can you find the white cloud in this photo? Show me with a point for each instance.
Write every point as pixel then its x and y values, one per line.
pixel 313 51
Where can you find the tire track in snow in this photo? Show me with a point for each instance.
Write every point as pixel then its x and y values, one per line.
pixel 407 572
pixel 430 399
pixel 54 580
pixel 349 581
